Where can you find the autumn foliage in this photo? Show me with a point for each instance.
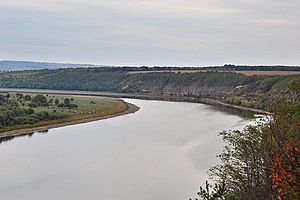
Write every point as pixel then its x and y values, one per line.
pixel 285 171
pixel 263 160
pixel 285 168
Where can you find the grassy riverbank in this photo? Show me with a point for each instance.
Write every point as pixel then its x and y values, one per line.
pixel 87 108
pixel 135 96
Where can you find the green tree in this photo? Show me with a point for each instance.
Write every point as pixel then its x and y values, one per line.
pixel 7 95
pixel 40 100
pixel 56 101
pixel 14 103
pixel 245 163
pixel 27 97
pixel 19 95
pixel 50 101
pixel 30 111
pixel 263 160
pixel 67 101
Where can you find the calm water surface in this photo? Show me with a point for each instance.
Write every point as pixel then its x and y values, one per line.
pixel 162 152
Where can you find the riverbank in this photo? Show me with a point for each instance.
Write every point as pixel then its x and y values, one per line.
pixel 145 96
pixel 19 132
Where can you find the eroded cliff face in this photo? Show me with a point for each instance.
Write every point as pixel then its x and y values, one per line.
pixel 204 85
pixel 171 89
pixel 255 92
pixel 232 88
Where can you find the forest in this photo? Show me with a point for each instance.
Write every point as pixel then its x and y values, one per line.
pixel 250 91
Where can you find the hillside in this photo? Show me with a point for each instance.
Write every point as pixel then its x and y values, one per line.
pixel 238 89
pixel 10 65
pixel 7 65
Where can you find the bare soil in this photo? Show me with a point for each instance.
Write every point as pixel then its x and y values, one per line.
pixel 247 73
pixel 268 73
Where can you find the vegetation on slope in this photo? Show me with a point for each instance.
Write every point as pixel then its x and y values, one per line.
pixel 262 161
pixel 238 89
pixel 10 65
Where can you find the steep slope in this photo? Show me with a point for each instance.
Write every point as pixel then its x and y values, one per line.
pixel 252 91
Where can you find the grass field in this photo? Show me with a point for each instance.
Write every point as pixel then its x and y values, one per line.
pixel 88 107
pixel 247 73
pixel 268 73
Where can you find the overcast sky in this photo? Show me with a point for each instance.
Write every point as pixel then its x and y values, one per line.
pixel 151 32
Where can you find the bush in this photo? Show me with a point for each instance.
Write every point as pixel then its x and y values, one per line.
pixel 40 100
pixel 27 97
pixel 30 111
pixel 71 105
pixel 67 101
pixel 61 105
pixel 263 160
pixel 33 105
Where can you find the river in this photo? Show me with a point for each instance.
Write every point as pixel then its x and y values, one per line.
pixel 161 152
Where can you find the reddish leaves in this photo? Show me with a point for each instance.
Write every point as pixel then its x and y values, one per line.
pixel 285 171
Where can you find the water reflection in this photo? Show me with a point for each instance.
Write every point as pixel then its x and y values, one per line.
pixel 6 139
pixel 161 152
pixel 245 114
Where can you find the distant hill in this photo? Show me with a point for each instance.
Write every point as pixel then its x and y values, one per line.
pixel 251 91
pixel 7 65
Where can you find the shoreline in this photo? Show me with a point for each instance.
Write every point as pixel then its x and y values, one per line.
pixel 20 132
pixel 244 108
pixel 144 96
pixel 131 107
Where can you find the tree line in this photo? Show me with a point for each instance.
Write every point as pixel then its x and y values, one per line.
pixel 19 109
pixel 238 89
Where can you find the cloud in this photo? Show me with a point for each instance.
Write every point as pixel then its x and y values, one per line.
pixel 273 21
pixel 167 32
